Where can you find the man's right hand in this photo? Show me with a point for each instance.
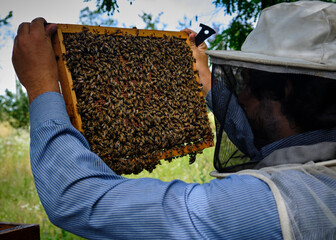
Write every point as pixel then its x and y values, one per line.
pixel 201 61
pixel 34 58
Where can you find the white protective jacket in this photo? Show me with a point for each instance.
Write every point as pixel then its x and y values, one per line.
pixel 305 193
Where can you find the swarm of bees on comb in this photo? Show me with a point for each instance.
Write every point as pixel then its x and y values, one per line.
pixel 138 98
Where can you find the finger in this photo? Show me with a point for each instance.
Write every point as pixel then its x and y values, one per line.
pixel 188 31
pixel 16 42
pixel 14 47
pixel 37 25
pixel 192 36
pixel 51 29
pixel 23 28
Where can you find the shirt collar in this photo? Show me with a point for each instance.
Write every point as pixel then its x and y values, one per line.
pixel 307 138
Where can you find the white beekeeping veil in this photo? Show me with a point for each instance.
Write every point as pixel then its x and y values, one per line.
pixel 289 38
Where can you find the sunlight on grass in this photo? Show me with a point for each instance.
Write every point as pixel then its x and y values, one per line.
pixel 5 129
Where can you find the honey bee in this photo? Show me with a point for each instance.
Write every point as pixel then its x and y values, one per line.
pixel 138 97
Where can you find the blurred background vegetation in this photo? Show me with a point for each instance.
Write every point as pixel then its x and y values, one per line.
pixel 19 201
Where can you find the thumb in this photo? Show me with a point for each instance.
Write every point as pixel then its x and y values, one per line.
pixel 50 29
pixel 192 37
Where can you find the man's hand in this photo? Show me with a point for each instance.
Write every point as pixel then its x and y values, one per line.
pixel 201 61
pixel 34 58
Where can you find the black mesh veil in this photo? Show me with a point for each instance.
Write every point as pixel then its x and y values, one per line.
pixel 236 148
pixel 227 82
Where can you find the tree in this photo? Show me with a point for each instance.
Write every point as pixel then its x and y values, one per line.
pixel 95 17
pixel 4 21
pixel 151 22
pixel 186 22
pixel 5 31
pixel 107 6
pixel 245 15
pixel 98 16
pixel 14 108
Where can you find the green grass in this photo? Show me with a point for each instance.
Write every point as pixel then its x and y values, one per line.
pixel 181 169
pixel 20 203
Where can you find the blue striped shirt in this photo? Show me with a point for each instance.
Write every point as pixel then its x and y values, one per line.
pixel 82 195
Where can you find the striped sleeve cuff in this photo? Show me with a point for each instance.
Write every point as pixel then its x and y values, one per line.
pixel 47 106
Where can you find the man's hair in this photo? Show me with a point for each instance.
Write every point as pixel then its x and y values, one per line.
pixel 310 102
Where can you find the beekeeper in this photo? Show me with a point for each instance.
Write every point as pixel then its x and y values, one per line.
pixel 275 100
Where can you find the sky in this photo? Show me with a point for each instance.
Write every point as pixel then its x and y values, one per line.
pixel 68 11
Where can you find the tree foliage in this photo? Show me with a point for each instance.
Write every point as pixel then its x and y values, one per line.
pixel 245 14
pixel 108 6
pixel 14 108
pixel 95 17
pixel 5 31
pixel 4 21
pixel 151 21
pixel 187 22
pixel 98 17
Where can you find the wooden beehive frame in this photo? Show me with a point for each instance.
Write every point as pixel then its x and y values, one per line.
pixel 67 83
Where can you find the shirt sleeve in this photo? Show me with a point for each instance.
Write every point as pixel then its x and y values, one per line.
pixel 208 99
pixel 82 195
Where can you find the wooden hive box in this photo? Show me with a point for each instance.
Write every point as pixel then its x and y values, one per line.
pixel 134 94
pixel 17 231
